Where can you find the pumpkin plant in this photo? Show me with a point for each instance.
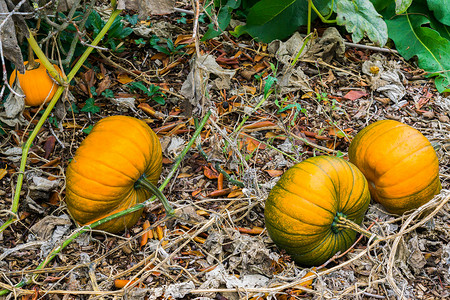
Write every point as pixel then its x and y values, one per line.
pixel 115 167
pixel 36 84
pixel 399 163
pixel 309 210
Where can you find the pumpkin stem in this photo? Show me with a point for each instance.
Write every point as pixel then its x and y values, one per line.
pixel 143 181
pixel 31 64
pixel 341 221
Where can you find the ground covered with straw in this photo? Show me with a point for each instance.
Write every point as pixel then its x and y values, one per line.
pixel 217 247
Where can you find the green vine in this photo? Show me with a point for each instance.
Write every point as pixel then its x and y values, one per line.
pixel 64 83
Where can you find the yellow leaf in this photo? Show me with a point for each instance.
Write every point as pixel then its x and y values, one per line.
pixel 3 172
pixel 124 78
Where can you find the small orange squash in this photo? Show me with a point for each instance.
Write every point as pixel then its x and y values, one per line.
pixel 36 84
pixel 302 211
pixel 112 170
pixel 399 163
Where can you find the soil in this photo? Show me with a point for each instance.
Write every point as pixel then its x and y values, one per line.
pixel 219 248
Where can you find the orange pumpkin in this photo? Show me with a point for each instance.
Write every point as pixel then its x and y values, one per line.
pixel 303 210
pixel 399 163
pixel 36 84
pixel 111 171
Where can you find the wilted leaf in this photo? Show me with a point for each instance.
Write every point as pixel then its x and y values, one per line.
pixel 359 17
pixel 43 184
pixel 124 78
pixel 124 103
pixel 150 7
pixel 103 85
pixel 10 47
pixel 353 95
pixel 3 172
pixel 43 229
pixel 252 145
pixel 203 67
pixel 235 193
pixel 49 146
pixel 210 173
pixel 274 173
pixel 13 108
pixel 176 146
pixel 14 104
pixel 65 5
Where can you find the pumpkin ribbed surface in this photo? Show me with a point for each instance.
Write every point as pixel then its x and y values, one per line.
pixel 36 84
pixel 399 163
pixel 302 208
pixel 101 176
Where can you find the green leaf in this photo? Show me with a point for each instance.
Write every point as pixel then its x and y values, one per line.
pixel 443 30
pixel 108 93
pixel 140 41
pixel 441 9
pixel 267 10
pixel 153 89
pixel 381 4
pixel 95 21
pixel 159 100
pixel 88 129
pixel 93 92
pixel 90 106
pixel 268 20
pixel 270 80
pixel 421 7
pixel 161 49
pixel 73 108
pixel 223 20
pixel 359 17
pixel 413 38
pixel 402 5
pixel 223 17
pixel 132 19
pixel 339 154
pixel 139 85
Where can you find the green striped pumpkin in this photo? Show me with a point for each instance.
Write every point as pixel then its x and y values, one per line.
pixel 302 209
pixel 399 163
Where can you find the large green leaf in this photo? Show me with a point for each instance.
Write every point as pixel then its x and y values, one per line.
pixel 413 38
pixel 420 7
pixel 443 30
pixel 268 20
pixel 441 9
pixel 381 4
pixel 359 17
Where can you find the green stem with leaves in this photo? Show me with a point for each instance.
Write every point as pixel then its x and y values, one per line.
pixel 132 209
pixel 52 103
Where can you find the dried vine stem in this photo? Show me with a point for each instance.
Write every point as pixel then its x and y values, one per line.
pixel 403 231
